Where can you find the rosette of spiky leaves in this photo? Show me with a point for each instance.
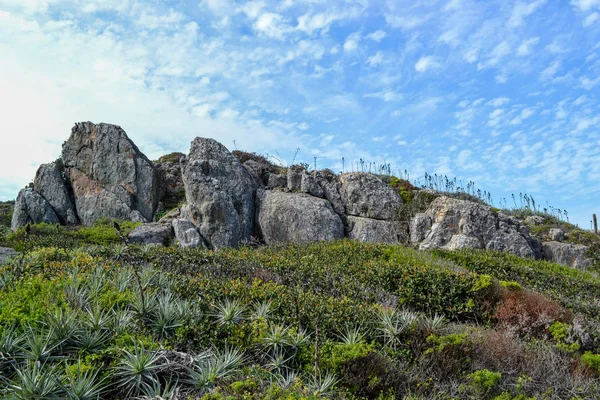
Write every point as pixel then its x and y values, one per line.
pixel 276 339
pixel 433 324
pixel 229 312
pixel 213 366
pixel 262 310
pixel 137 371
pixel 168 391
pixel 35 381
pixel 322 385
pixel 167 315
pixel 352 335
pixel 10 346
pixel 65 325
pixel 77 295
pixel 40 345
pixel 83 385
pixel 393 325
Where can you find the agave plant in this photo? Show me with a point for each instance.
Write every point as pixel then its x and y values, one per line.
pixel 210 367
pixel 322 385
pixel 167 315
pixel 144 306
pixel 98 319
pixel 262 310
pixel 278 361
pixel 287 379
pixel 83 385
pixel 35 381
pixel 167 391
pixel 392 327
pixel 123 278
pixel 121 320
pixel 434 323
pixel 298 338
pixel 96 281
pixel 229 312
pixel 277 338
pixel 137 371
pixel 10 345
pixel 90 340
pixel 77 295
pixel 352 335
pixel 40 345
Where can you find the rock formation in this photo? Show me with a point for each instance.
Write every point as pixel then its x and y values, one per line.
pixel 213 198
pixel 455 224
pixel 110 176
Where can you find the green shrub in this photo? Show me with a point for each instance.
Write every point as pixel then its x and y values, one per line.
pixel 591 361
pixel 484 380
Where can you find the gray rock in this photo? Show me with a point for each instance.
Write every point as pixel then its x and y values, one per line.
pixel 294 178
pixel 277 181
pixel 259 172
pixel 297 218
pixel 169 173
pixel 5 254
pixel 220 194
pixel 365 195
pixel 556 235
pixel 572 255
pixel 311 184
pixel 32 208
pixel 51 184
pixel 419 227
pixel 110 176
pixel 153 233
pixel 456 224
pixel 187 234
pixel 170 216
pixel 372 230
pixel 535 220
pixel 460 241
pixel 331 190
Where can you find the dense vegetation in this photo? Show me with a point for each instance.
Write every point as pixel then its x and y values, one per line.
pixel 84 315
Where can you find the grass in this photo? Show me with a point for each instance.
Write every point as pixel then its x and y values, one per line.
pixel 329 320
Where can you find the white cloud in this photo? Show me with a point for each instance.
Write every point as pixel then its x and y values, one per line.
pixel 426 63
pixel 589 84
pixel 385 95
pixel 522 10
pixel 585 5
pixel 527 45
pixel 498 101
pixel 548 73
pixel 591 19
pixel 271 25
pixel 496 55
pixel 352 41
pixel 377 36
pixel 253 9
pixel 376 59
pixel 405 22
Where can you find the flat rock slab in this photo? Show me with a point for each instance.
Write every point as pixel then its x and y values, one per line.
pixel 6 253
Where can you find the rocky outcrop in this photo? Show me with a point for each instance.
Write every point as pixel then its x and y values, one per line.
pixel 110 176
pixel 32 208
pixel 154 233
pixel 296 218
pixel 572 255
pixel 171 182
pixel 51 184
pixel 365 195
pixel 220 194
pixel 556 235
pixel 455 224
pixel 187 234
pixel 372 230
pixel 5 254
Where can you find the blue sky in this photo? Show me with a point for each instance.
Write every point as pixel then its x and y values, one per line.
pixel 503 93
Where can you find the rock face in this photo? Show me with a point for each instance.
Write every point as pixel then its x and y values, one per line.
pixel 220 194
pixel 32 208
pixel 110 176
pixel 5 254
pixel 572 255
pixel 556 235
pixel 372 230
pixel 365 195
pixel 455 224
pixel 171 181
pixel 187 234
pixel 154 233
pixel 297 218
pixel 50 183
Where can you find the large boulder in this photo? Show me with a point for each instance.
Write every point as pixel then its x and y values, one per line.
pixel 187 234
pixel 297 218
pixel 171 181
pixel 220 194
pixel 372 230
pixel 365 195
pixel 51 184
pixel 572 255
pixel 110 176
pixel 454 224
pixel 32 208
pixel 6 253
pixel 154 233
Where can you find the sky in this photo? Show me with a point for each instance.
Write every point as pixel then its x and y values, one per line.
pixel 502 93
